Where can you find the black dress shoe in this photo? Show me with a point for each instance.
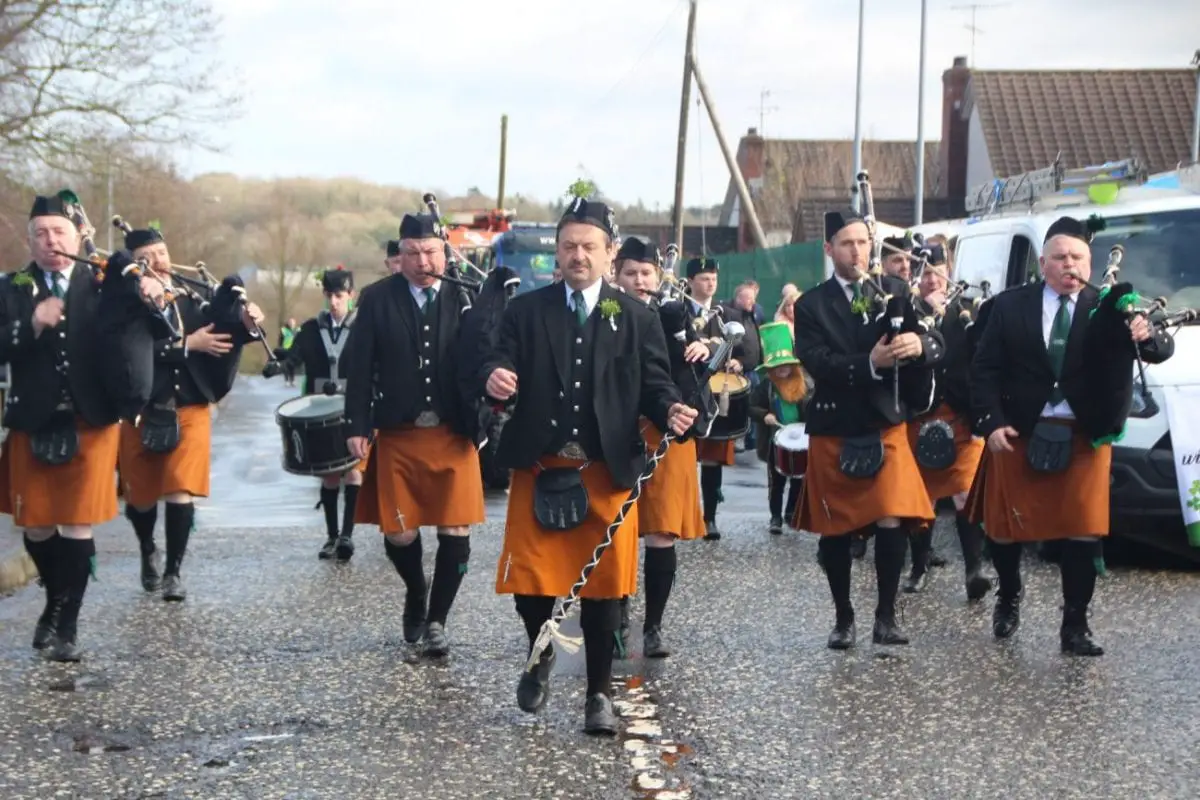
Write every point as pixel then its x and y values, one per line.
pixel 534 686
pixel 978 585
pixel 652 644
pixel 414 618
pixel 43 632
pixel 1007 616
pixel 345 547
pixel 172 589
pixel 888 632
pixel 151 571
pixel 935 560
pixel 843 635
pixel 435 644
pixel 916 581
pixel 776 527
pixel 1079 642
pixel 598 717
pixel 329 550
pixel 64 651
pixel 712 533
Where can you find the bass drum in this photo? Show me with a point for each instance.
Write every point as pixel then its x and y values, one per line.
pixel 314 435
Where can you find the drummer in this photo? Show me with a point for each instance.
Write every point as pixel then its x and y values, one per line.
pixel 777 402
pixel 705 317
pixel 318 346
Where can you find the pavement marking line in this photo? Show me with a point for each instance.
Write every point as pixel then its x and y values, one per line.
pixel 651 756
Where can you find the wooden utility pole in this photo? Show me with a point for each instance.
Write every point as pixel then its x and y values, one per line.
pixel 503 159
pixel 735 172
pixel 681 146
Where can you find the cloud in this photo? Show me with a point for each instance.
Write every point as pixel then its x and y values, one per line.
pixel 359 88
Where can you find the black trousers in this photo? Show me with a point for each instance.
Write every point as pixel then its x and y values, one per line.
pixel 776 483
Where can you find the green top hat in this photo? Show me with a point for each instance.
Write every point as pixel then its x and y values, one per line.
pixel 777 346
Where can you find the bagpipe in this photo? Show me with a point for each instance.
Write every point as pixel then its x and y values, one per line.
pixel 456 262
pixel 967 307
pixel 478 336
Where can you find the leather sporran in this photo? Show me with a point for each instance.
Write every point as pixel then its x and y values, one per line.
pixel 861 456
pixel 935 445
pixel 58 441
pixel 1049 447
pixel 160 429
pixel 560 499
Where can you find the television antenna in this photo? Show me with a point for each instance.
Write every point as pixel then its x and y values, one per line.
pixel 972 27
pixel 763 110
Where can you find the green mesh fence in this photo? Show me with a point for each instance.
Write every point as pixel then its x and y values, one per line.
pixel 802 264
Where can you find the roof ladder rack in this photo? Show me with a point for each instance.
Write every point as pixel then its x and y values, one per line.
pixel 1029 187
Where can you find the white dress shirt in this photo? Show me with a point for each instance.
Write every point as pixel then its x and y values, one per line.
pixel 591 296
pixel 1050 305
pixel 418 293
pixel 66 273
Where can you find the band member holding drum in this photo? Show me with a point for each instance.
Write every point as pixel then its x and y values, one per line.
pixel 777 404
pixel 861 473
pixel 1051 385
pixel 58 462
pixel 424 469
pixel 166 456
pixel 669 506
pixel 947 453
pixel 713 453
pixel 583 362
pixel 318 347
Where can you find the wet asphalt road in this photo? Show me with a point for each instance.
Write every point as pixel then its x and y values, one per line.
pixel 285 677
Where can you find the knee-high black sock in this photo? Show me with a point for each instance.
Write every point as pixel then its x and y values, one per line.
pixel 775 486
pixel 450 565
pixel 660 577
pixel 75 563
pixel 1006 558
pixel 921 543
pixel 143 526
pixel 599 620
pixel 179 527
pixel 889 563
pixel 1078 567
pixel 835 558
pixel 710 490
pixel 348 509
pixel 47 557
pixel 970 538
pixel 408 564
pixel 329 502
pixel 534 610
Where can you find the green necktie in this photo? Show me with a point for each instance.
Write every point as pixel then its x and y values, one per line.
pixel 429 295
pixel 857 289
pixel 580 309
pixel 58 281
pixel 1057 349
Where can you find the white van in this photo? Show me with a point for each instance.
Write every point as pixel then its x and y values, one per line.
pixel 1160 230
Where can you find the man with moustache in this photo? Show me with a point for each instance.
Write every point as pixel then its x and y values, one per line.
pixel 584 362
pixel 423 469
pixel 861 474
pixel 1051 384
pixel 58 462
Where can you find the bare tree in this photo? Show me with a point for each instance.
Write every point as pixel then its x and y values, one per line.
pixel 73 70
pixel 290 246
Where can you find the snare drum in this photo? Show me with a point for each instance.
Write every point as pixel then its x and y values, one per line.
pixel 791 450
pixel 734 422
pixel 314 435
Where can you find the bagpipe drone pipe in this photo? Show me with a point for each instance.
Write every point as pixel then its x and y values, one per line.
pixel 478 337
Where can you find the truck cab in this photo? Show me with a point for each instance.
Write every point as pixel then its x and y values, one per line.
pixel 528 249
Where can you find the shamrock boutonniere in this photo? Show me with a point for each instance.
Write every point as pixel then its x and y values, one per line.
pixel 22 279
pixel 610 309
pixel 861 305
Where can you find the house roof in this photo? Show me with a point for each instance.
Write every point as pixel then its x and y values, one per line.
pixel 809 222
pixel 796 170
pixel 1090 117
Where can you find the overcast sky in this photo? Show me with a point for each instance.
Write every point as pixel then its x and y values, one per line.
pixel 412 92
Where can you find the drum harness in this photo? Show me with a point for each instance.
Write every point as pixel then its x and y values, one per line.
pixel 334 346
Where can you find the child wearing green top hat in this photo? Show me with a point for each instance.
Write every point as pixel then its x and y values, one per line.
pixel 780 400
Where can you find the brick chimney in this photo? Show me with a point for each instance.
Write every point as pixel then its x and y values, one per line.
pixel 953 153
pixel 751 159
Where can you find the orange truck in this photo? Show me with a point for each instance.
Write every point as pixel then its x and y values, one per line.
pixel 471 232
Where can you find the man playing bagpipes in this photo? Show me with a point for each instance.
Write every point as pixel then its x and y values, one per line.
pixel 1051 387
pixel 861 474
pixel 70 379
pixel 669 506
pixel 318 346
pixel 941 438
pixel 583 363
pixel 165 457
pixel 424 469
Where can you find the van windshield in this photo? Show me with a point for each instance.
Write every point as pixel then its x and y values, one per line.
pixel 1160 254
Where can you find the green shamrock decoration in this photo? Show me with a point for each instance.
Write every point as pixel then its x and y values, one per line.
pixel 1194 499
pixel 581 188
pixel 22 279
pixel 860 306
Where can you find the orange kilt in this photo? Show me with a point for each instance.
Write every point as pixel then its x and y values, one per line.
pixel 146 477
pixel 715 451
pixel 959 476
pixel 670 501
pixel 834 504
pixel 80 492
pixel 1015 503
pixel 417 477
pixel 535 561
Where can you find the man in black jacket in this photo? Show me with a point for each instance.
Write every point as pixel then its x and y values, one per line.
pixel 861 473
pixel 58 463
pixel 166 456
pixel 1051 384
pixel 423 468
pixel 583 362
